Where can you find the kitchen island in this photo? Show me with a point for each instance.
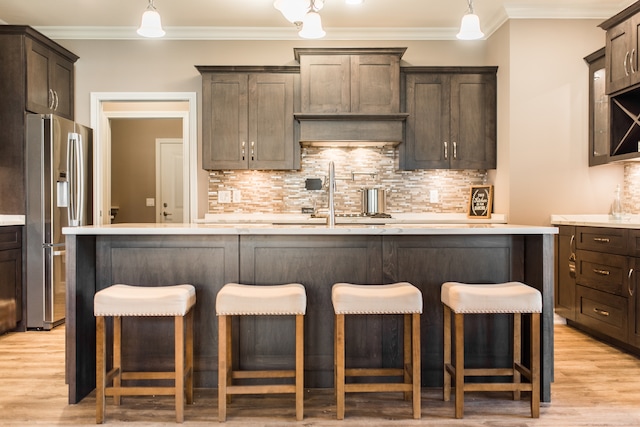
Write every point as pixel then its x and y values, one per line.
pixel 210 255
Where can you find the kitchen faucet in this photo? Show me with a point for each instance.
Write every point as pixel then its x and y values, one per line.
pixel 331 218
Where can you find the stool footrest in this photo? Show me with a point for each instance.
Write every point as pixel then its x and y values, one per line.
pixel 140 391
pixel 261 389
pixel 374 372
pixel 377 387
pixel 264 374
pixel 497 387
pixel 148 375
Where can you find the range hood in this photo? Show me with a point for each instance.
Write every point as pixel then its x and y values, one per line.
pixel 351 129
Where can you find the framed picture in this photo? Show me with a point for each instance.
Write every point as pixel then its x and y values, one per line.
pixel 480 201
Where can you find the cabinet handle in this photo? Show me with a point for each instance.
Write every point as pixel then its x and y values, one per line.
pixel 601 239
pixel 601 272
pixel 601 312
pixel 253 151
pixel 629 288
pixel 243 144
pixel 455 150
pixel 55 108
pixel 624 64
pixel 446 150
pixel 633 53
pixel 51 99
pixel 572 255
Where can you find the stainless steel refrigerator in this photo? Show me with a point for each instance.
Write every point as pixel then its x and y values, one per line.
pixel 59 162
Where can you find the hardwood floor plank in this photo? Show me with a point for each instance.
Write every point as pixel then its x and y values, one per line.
pixel 595 385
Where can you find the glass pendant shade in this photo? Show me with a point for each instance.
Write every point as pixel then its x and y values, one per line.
pixel 151 25
pixel 470 28
pixel 293 10
pixel 312 26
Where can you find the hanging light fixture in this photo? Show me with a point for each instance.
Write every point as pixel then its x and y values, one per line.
pixel 150 26
pixel 304 14
pixel 470 25
pixel 312 26
pixel 293 10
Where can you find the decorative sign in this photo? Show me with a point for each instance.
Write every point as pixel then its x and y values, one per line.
pixel 480 201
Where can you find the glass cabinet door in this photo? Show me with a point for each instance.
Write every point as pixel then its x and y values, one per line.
pixel 598 110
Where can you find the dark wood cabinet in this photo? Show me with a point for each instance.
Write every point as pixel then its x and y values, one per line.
pixel 364 81
pixel 452 118
pixel 565 286
pixel 32 67
pixel 248 118
pixel 622 49
pixel 10 277
pixel 598 109
pixel 50 81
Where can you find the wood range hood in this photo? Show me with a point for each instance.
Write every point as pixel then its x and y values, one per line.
pixel 350 97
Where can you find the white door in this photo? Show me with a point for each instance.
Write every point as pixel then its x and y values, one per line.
pixel 169 181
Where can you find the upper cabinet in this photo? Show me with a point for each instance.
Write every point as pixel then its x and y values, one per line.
pixel 622 47
pixel 361 81
pixel 451 120
pixel 247 118
pixel 598 109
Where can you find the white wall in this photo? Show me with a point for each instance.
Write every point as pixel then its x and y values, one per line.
pixel 542 99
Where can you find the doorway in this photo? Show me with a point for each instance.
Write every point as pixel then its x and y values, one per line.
pixel 106 107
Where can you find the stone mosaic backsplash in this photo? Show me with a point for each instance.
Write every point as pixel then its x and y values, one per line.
pixel 631 188
pixel 355 168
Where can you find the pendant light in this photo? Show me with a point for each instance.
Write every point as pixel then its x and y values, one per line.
pixel 470 25
pixel 312 26
pixel 150 26
pixel 293 10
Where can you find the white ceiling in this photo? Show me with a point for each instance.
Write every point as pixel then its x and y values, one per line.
pixel 257 19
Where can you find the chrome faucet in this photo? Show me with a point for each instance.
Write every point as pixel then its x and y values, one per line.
pixel 331 218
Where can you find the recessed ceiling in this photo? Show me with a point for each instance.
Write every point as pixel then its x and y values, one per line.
pixel 257 19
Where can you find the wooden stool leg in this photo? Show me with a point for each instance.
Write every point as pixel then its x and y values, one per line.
pixel 446 388
pixel 179 366
pixel 339 348
pixel 517 351
pixel 222 367
pixel 535 365
pixel 101 355
pixel 189 358
pixel 117 357
pixel 415 363
pixel 459 368
pixel 299 367
pixel 407 352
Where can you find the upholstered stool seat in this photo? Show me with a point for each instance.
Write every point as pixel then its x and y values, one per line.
pixel 251 300
pixel 119 301
pixel 513 298
pixel 398 298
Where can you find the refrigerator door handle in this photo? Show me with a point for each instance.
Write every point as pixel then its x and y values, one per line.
pixel 75 168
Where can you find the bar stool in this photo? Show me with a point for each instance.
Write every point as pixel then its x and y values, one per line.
pixel 398 298
pixel 512 297
pixel 250 300
pixel 118 301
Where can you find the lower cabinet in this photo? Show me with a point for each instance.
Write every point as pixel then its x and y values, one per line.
pixel 606 301
pixel 565 286
pixel 10 277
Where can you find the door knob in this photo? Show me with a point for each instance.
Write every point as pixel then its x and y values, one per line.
pixel 166 214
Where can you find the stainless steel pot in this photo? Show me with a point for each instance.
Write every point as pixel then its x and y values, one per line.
pixel 373 201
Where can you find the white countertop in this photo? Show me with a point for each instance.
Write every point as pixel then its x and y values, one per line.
pixel 308 229
pixel 11 220
pixel 627 221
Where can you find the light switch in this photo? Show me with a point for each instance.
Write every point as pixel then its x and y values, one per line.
pixel 224 196
pixel 433 196
pixel 151 201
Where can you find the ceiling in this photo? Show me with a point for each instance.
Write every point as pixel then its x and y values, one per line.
pixel 257 19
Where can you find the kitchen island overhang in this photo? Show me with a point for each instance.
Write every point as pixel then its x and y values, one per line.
pixel 208 256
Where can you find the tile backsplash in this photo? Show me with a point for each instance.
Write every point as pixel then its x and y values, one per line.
pixel 356 168
pixel 631 190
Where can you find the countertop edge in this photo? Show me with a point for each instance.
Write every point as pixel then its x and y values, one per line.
pixel 628 221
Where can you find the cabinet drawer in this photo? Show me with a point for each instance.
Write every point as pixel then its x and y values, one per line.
pixel 602 312
pixel 610 240
pixel 10 237
pixel 605 272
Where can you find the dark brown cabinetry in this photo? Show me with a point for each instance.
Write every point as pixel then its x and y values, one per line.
pixel 598 109
pixel 248 118
pixel 36 75
pixel 622 58
pixel 565 286
pixel 452 118
pixel 10 277
pixel 364 81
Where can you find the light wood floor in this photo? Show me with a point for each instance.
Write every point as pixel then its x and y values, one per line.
pixel 595 385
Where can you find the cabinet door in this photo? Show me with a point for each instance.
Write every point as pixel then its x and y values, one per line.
pixel 325 83
pixel 61 84
pixel 618 47
pixel 427 127
pixel 40 99
pixel 271 139
pixel 565 300
pixel 224 125
pixel 375 87
pixel 10 288
pixel 473 121
pixel 634 302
